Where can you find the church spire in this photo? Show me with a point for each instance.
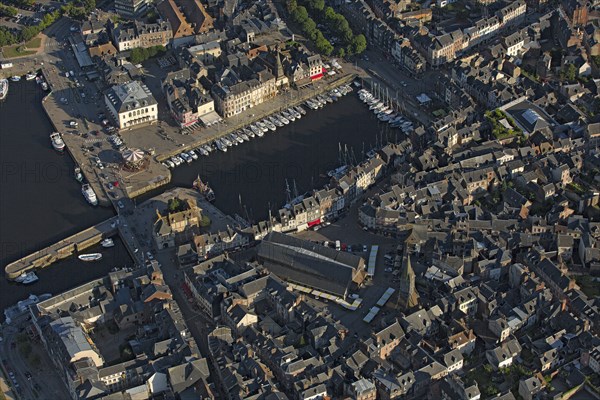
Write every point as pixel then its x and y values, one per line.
pixel 407 296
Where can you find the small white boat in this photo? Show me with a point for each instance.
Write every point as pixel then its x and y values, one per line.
pixel 57 142
pixel 89 194
pixel 294 113
pixel 262 126
pixel 44 86
pixel 257 131
pixel 269 124
pixel 27 277
pixel 108 242
pixel 30 76
pixel 300 110
pixel 275 121
pixel 15 78
pixel 90 257
pixel 221 146
pixel 202 150
pixel 282 118
pixel 193 154
pixel 288 116
pixel 78 175
pixel 186 157
pixel 249 132
pixel 243 136
pixel 226 141
pixel 3 88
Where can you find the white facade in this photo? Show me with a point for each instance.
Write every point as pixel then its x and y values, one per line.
pixel 131 104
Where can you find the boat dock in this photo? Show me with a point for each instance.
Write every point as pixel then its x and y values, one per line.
pixel 161 140
pixel 63 249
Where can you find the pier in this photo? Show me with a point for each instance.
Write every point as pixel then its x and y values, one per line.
pixel 63 249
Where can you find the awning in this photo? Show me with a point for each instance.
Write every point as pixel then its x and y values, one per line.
pixel 317 76
pixel 314 223
pixel 210 118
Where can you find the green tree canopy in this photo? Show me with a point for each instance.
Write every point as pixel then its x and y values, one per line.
pixel 300 14
pixel 317 5
pixel 359 43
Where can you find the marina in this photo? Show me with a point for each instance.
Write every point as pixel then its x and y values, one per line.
pixel 255 172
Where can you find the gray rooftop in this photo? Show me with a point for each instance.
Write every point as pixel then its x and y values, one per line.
pixel 130 96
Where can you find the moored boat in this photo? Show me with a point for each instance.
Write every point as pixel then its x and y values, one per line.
pixel 89 194
pixel 78 174
pixel 90 257
pixel 26 278
pixel 30 76
pixel 295 113
pixel 57 142
pixel 3 88
pixel 282 118
pixel 243 136
pixel 300 110
pixel 276 121
pixel 287 115
pixel 248 132
pixel 15 78
pixel 204 189
pixel 108 242
pixel 221 146
pixel 269 124
pixel 44 86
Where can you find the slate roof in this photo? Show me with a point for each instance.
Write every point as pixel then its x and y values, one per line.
pixel 310 264
pixel 130 96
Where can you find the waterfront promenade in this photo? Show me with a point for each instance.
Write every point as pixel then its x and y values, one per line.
pixel 160 140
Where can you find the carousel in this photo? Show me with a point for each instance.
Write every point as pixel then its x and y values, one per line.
pixel 134 159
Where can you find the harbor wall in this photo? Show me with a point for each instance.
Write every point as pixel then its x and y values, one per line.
pixel 257 117
pixel 63 249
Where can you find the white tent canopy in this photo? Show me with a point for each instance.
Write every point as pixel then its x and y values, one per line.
pixel 133 155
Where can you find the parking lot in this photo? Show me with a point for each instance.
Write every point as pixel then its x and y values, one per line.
pixel 348 232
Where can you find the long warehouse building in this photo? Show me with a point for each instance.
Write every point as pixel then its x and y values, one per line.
pixel 312 265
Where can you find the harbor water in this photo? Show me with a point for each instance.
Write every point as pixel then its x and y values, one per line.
pixel 41 203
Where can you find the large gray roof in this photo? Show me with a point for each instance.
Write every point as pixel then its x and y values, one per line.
pixel 130 96
pixel 71 335
pixel 309 264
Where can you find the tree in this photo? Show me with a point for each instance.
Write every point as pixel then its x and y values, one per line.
pixel 78 13
pixel 6 37
pixel 341 52
pixel 316 5
pixel 309 26
pixel 7 11
pixel 174 203
pixel 570 72
pixel 28 33
pixel 300 14
pixel 329 14
pixel 292 5
pixel 359 43
pixel 89 5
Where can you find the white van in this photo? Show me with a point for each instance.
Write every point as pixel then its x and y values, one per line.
pixel 338 245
